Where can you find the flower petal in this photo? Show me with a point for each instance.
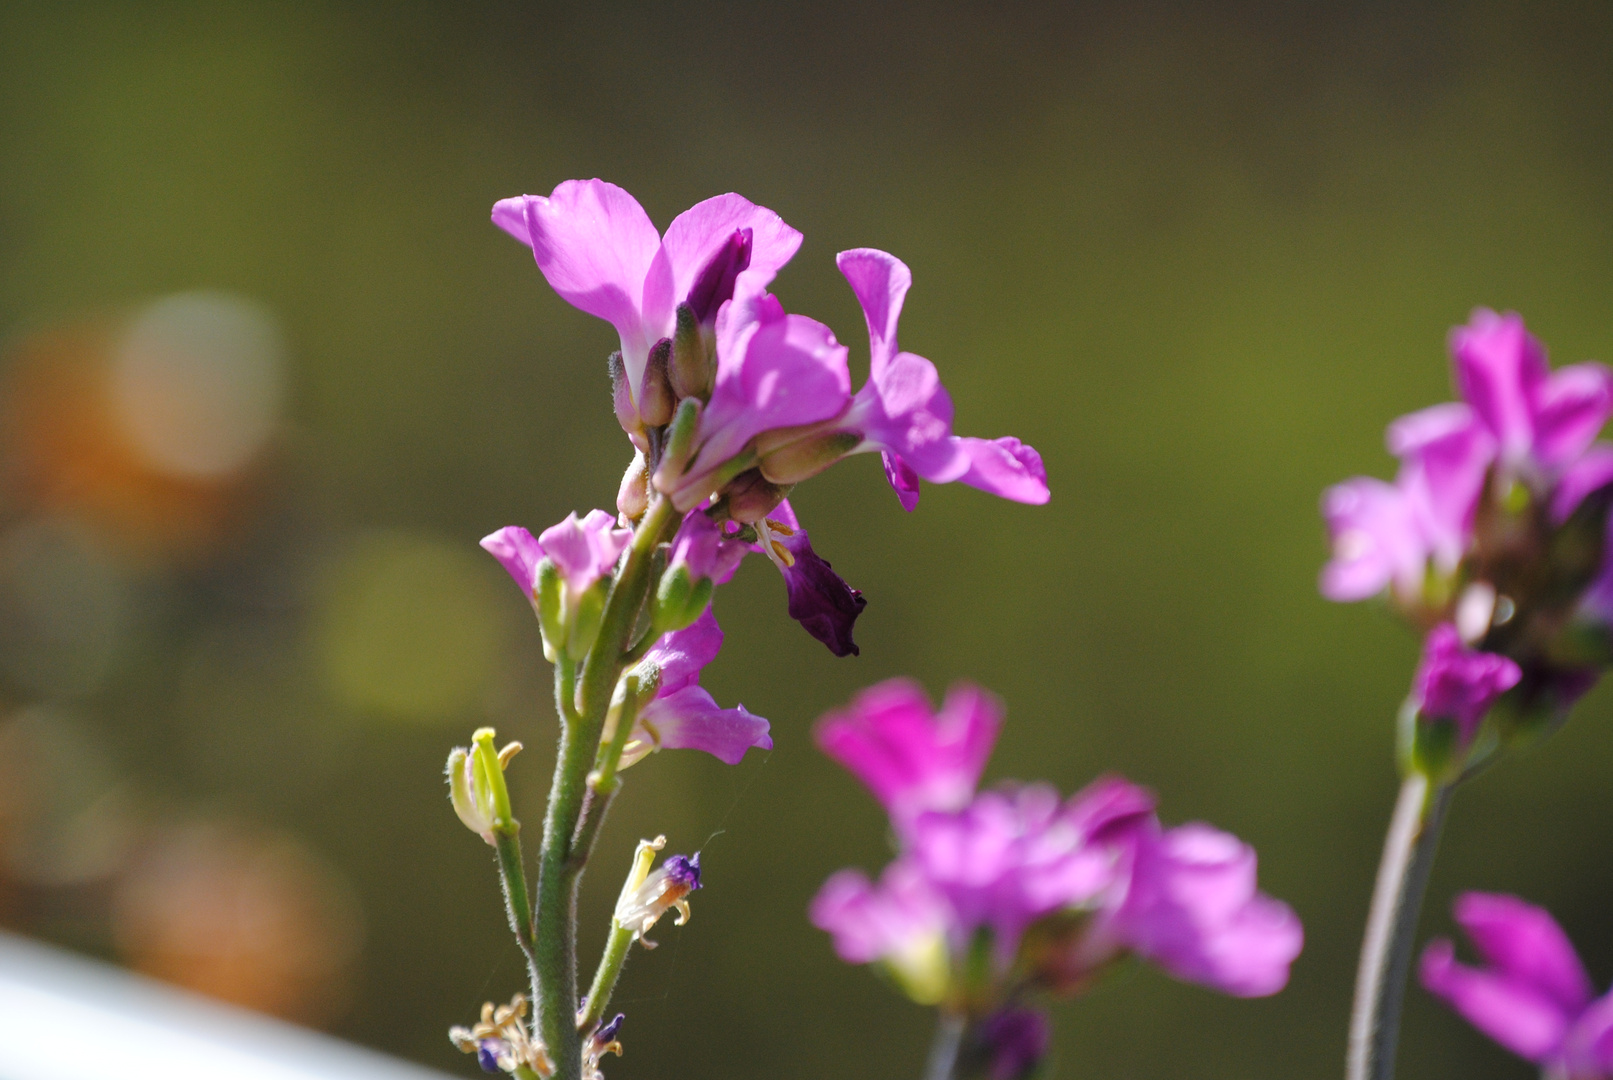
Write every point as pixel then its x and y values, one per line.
pixel 1574 404
pixel 1375 540
pixel 519 552
pixel 1005 467
pixel 1500 370
pixel 1523 943
pixel 681 655
pixel 1514 1014
pixel 595 246
pixel 880 281
pixel 700 232
pixel 690 719
pixel 819 599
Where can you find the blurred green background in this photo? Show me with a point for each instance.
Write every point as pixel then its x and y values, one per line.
pixel 1198 255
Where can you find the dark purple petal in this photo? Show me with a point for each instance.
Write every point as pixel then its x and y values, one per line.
pixel 714 286
pixel 818 598
pixel 683 871
pixel 903 480
pixel 1013 1043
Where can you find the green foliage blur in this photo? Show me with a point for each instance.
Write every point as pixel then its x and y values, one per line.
pixel 1198 255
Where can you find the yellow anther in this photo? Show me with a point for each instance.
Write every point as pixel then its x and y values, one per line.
pixel 507 753
pixel 783 553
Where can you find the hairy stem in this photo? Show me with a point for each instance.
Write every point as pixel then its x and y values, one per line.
pixel 610 968
pixel 582 718
pixel 1397 900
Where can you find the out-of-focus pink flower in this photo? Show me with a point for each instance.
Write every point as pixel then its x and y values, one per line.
pixel 1534 997
pixel 1454 682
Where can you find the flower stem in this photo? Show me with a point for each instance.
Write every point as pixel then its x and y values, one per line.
pixel 1397 900
pixel 610 968
pixel 582 716
pixel 944 1049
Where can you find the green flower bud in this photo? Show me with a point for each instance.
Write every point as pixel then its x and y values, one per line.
pixel 585 621
pixel 621 395
pixel 680 443
pixel 691 371
pixel 476 785
pixel 679 599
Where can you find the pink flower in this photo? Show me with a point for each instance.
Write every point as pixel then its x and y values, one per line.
pixel 1456 683
pixel 598 249
pixel 683 715
pixel 584 550
pixel 1534 997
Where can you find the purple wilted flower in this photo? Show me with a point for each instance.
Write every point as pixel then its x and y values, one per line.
pixel 914 760
pixel 683 715
pixel 1012 1042
pixel 1190 905
pixel 1534 997
pixel 903 411
pixel 819 599
pixel 598 249
pixel 1454 682
pixel 666 889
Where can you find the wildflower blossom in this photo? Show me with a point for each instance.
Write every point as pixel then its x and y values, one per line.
pixel 647 895
pixel 1454 682
pixel 683 715
pixel 1533 997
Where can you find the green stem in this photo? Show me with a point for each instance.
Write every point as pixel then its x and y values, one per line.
pixel 603 781
pixel 610 968
pixel 513 874
pixel 1397 900
pixel 582 717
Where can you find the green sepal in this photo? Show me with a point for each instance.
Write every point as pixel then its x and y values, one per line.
pixel 586 618
pixel 690 371
pixel 549 600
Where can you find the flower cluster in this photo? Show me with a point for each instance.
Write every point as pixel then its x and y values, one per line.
pixel 1534 998
pixel 1491 539
pixel 501 1041
pixel 729 401
pixel 1000 892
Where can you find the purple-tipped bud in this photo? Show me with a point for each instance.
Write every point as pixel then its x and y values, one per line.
pixel 1456 683
pixel 656 401
pixel 607 1031
pixel 715 284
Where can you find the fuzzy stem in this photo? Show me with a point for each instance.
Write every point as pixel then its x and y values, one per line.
pixel 582 718
pixel 944 1049
pixel 1397 900
pixel 610 969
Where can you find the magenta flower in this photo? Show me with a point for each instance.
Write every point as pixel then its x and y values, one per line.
pixel 1013 856
pixel 1533 425
pixel 914 760
pixel 1456 683
pixel 1190 905
pixel 583 550
pixel 598 249
pixel 1534 997
pixel 818 598
pixel 683 715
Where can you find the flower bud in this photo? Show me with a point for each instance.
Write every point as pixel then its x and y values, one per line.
pixel 751 497
pixel 806 458
pixel 633 497
pixel 680 443
pixel 691 371
pixel 679 599
pixel 655 397
pixel 621 395
pixel 714 286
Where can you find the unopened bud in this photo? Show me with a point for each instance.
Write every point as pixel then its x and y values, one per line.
pixel 550 599
pixel 621 393
pixel 633 497
pixel 680 599
pixel 751 497
pixel 691 371
pixel 806 458
pixel 680 443
pixel 655 396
